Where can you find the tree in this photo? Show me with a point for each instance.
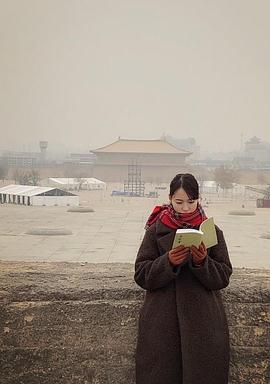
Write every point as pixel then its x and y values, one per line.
pixel 3 172
pixel 224 177
pixel 81 181
pixel 18 176
pixel 26 178
pixel 33 177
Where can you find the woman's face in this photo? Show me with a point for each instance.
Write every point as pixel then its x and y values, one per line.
pixel 182 203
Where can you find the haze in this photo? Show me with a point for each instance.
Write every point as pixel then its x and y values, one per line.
pixel 81 73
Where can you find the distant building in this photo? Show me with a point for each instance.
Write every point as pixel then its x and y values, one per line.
pixel 43 145
pixel 158 159
pixel 257 149
pixel 14 159
pixel 243 162
pixel 81 158
pixel 20 159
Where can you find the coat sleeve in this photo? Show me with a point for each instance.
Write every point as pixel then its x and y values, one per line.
pixel 216 270
pixel 153 271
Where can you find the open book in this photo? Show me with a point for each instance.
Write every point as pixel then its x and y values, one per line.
pixel 206 233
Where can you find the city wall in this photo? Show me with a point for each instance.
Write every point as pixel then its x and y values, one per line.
pixel 70 323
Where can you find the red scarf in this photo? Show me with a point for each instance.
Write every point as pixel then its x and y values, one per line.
pixel 172 219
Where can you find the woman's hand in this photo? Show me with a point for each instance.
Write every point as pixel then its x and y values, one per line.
pixel 178 255
pixel 198 254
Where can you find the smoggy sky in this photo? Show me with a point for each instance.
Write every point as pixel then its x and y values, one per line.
pixel 80 73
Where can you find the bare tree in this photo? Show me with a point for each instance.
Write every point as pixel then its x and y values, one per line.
pixel 80 180
pixel 34 177
pixel 224 177
pixel 18 176
pixel 26 178
pixel 3 172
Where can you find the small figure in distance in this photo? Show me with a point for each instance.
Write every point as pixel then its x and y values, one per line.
pixel 183 331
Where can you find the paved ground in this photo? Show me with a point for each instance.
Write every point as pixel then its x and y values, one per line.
pixel 114 231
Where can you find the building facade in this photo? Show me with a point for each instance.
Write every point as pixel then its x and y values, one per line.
pixel 14 159
pixel 159 160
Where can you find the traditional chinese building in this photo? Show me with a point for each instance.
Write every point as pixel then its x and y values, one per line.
pixel 158 159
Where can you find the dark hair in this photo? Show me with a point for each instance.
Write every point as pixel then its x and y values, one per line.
pixel 187 182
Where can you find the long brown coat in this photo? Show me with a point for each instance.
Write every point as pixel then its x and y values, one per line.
pixel 183 333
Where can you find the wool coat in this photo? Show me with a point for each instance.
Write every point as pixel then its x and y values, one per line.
pixel 183 333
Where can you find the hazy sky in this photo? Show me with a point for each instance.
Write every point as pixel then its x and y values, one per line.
pixel 80 73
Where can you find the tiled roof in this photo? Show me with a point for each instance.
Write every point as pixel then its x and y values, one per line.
pixel 141 146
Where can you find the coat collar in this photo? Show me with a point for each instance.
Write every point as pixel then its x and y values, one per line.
pixel 165 236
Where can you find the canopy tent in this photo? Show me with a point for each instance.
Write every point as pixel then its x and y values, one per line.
pixel 34 195
pixel 73 183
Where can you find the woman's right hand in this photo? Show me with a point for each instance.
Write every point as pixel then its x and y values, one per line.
pixel 178 255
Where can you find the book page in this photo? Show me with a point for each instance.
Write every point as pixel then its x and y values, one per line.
pixel 187 238
pixel 209 232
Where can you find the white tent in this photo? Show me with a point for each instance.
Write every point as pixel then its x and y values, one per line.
pixel 209 186
pixel 32 195
pixel 72 183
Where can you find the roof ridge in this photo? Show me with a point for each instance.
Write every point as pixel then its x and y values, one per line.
pixel 161 141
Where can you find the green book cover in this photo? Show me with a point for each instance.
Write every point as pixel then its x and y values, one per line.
pixel 188 237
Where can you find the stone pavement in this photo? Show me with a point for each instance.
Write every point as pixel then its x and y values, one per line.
pixel 114 231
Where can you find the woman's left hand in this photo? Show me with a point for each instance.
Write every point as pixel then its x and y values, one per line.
pixel 198 254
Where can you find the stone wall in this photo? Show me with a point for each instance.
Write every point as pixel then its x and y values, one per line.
pixel 68 323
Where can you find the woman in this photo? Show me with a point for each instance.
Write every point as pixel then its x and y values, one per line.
pixel 183 332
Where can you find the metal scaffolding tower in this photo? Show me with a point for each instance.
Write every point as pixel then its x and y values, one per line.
pixel 134 186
